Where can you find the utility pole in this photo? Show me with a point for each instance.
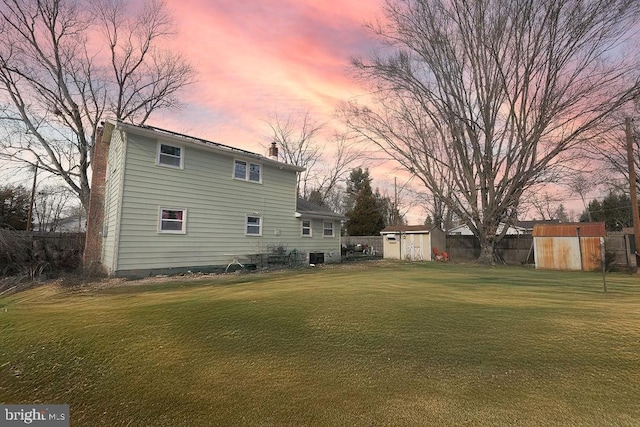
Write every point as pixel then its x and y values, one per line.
pixel 634 192
pixel 33 196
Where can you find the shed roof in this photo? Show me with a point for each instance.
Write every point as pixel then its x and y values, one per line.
pixel 570 229
pixel 408 229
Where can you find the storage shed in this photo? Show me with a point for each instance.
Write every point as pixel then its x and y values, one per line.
pixel 569 246
pixel 412 242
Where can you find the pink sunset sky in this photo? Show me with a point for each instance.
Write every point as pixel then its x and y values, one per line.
pixel 261 58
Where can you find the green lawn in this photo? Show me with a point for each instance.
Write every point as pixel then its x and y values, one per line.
pixel 371 344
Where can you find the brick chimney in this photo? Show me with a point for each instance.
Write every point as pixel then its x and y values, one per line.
pixel 92 257
pixel 273 151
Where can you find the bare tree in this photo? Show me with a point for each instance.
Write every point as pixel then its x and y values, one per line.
pixel 334 168
pixel 51 204
pixel 334 199
pixel 609 151
pixel 297 140
pixel 437 211
pixel 67 64
pixel 546 204
pixel 294 137
pixel 582 184
pixel 495 92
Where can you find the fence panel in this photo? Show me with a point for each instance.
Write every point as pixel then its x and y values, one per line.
pixel 516 249
pixel 374 242
pixel 22 249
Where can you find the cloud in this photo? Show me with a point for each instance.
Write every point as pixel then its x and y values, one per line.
pixel 256 58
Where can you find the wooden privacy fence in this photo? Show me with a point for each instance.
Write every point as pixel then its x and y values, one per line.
pixel 518 249
pixel 619 245
pixel 63 251
pixel 374 242
pixel 22 249
pixel 512 250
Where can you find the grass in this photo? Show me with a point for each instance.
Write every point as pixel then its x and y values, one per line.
pixel 379 344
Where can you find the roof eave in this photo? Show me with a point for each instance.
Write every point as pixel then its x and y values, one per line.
pixel 210 147
pixel 320 215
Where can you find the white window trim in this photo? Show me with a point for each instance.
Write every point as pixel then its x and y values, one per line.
pixel 303 228
pixel 247 173
pixel 246 225
pixel 158 152
pixel 333 229
pixel 184 221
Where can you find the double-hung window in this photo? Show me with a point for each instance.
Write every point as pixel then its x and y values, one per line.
pixel 253 226
pixel 328 229
pixel 306 228
pixel 173 221
pixel 247 171
pixel 170 155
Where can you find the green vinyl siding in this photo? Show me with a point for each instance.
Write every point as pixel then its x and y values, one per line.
pixel 330 246
pixel 216 206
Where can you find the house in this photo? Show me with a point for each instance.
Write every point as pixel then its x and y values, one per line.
pixel 528 225
pixel 163 202
pixel 412 242
pixel 569 246
pixel 323 224
pixel 519 228
pixel 73 223
pixel 464 230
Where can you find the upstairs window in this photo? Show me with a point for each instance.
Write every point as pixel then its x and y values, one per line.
pixel 306 228
pixel 247 171
pixel 170 155
pixel 253 226
pixel 240 170
pixel 254 172
pixel 328 229
pixel 173 221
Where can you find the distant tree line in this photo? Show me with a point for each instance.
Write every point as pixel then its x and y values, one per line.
pixel 614 210
pixel 51 204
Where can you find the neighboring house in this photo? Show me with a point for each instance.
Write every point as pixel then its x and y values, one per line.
pixel 569 246
pixel 521 227
pixel 74 223
pixel 530 224
pixel 412 242
pixel 464 230
pixel 71 224
pixel 174 203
